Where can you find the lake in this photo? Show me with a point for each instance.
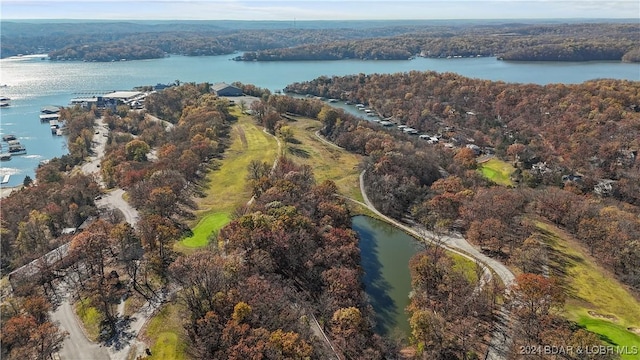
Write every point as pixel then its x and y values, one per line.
pixel 33 83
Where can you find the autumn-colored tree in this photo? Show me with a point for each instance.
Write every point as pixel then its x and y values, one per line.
pixel 466 158
pixel 34 234
pixel 137 150
pixel 157 235
pixel 93 245
pixel 289 345
pixel 535 301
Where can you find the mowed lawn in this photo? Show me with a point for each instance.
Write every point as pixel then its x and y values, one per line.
pixel 166 333
pixel 497 171
pixel 228 187
pixel 328 162
pixel 596 299
pixel 208 225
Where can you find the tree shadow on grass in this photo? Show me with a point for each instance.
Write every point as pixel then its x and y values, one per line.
pixel 301 153
pixel 560 263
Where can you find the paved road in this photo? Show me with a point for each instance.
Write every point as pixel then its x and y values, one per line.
pixel 167 125
pixel 501 340
pixel 115 200
pixel 92 166
pixel 76 346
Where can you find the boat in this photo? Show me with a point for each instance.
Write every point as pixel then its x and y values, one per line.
pixel 5 179
pixel 4 98
pixel 5 156
pixel 4 104
pixel 8 137
pixel 17 149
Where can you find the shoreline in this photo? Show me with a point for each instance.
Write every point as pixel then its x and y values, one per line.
pixel 5 191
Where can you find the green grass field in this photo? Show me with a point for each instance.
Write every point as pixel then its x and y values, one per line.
pixel 208 224
pixel 90 318
pixel 596 300
pixel 165 330
pixel 610 332
pixel 497 171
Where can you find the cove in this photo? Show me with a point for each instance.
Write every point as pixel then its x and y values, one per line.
pixel 385 253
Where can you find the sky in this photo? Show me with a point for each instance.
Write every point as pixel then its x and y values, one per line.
pixel 316 10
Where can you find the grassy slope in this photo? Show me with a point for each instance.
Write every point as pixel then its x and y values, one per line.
pixel 328 162
pixel 166 332
pixel 228 186
pixel 497 171
pixel 596 299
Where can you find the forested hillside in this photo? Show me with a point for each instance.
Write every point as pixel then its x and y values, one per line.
pixel 567 141
pixel 576 42
pixel 374 40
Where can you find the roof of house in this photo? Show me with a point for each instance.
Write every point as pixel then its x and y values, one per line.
pixel 122 94
pixel 222 86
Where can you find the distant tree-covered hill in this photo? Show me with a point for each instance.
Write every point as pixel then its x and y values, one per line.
pixel 323 40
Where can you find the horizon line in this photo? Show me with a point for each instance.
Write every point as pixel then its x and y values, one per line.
pixel 325 20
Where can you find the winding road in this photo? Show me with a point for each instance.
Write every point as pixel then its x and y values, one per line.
pixel 500 341
pixel 76 345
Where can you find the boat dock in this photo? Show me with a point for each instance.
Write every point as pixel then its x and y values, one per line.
pixel 5 179
pixel 15 147
pixel 50 112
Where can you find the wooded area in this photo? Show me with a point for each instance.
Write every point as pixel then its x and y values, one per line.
pixel 328 41
pixel 291 255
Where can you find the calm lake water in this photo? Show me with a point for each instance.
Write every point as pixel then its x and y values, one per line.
pixel 386 252
pixel 33 83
